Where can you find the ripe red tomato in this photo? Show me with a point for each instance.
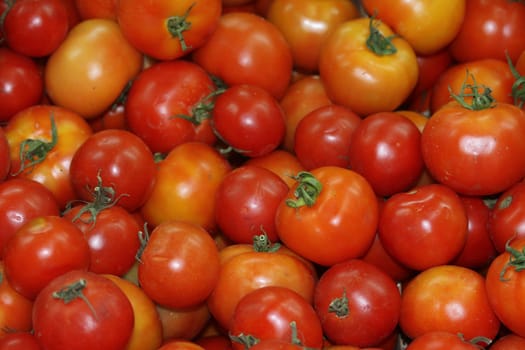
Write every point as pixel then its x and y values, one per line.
pixel 261 56
pixel 96 9
pixel 281 313
pixel 508 342
pixel 441 340
pixel 323 136
pixel 358 304
pixel 214 342
pixel 43 248
pixel 176 250
pixel 179 344
pixel 36 28
pixel 424 227
pixel 92 313
pixel 169 103
pixel 248 119
pixel 19 340
pixel 329 216
pixel 448 298
pixel 167 30
pixel 21 83
pixel 129 175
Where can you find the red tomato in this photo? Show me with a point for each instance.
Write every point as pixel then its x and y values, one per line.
pixel 425 227
pixel 91 67
pixel 508 342
pixel 357 303
pixel 43 248
pixel 43 140
pixel 261 56
pixel 19 341
pixel 185 187
pixel 129 176
pixel 178 344
pixel 20 201
pixel 248 119
pixel 169 103
pixel 490 29
pixel 306 24
pixel 441 340
pixel 329 216
pixel 183 323
pixel 21 83
pixel 323 136
pixel 386 150
pixel 367 68
pixel 215 342
pixel 97 9
pixel 281 162
pixel 92 311
pixel 448 298
pixel 176 250
pixel 503 281
pixel 36 28
pixel 167 30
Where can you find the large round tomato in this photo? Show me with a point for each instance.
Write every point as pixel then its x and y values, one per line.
pixel 367 68
pixel 329 216
pixel 420 21
pixel 91 67
pixel 441 340
pixel 260 56
pixel 82 310
pixel 166 29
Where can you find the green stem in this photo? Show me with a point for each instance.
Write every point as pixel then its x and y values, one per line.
pixel 339 306
pixel 261 243
pixel 177 25
pixel 518 87
pixel 72 292
pixel 306 192
pixel 378 43
pixel 480 101
pixel 516 260
pixel 144 239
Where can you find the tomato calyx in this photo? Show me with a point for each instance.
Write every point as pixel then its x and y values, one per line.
pixel 377 42
pixel 202 109
pixel 261 243
pixel 476 341
pixel 177 25
pixel 516 260
pixel 480 99
pixel 306 192
pixel 247 340
pixel 34 151
pixel 518 87
pixel 143 239
pixel 9 4
pixel 72 292
pixel 339 306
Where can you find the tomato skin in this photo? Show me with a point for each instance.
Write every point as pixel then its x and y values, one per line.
pixel 36 28
pixel 183 323
pixel 447 298
pixel 87 80
pixel 341 223
pixel 280 162
pixel 102 319
pixel 97 9
pixel 21 83
pixel 356 77
pixel 179 344
pixel 508 342
pixel 155 38
pixel 464 149
pixel 440 340
pixel 490 29
pixel 19 341
pixel 261 56
pixel 101 155
pixel 425 227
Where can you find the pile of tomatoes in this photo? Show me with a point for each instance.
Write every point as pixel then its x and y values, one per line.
pixel 262 174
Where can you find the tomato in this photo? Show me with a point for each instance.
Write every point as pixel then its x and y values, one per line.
pixel 130 175
pixel 357 303
pixel 411 20
pixel 508 342
pixel 447 298
pixel 169 103
pixel 147 328
pixel 21 84
pixel 91 67
pixel 276 344
pixel 281 313
pixel 504 280
pixel 490 29
pixel 323 136
pixel 329 216
pixel 424 227
pixel 178 344
pixel 430 68
pixel 261 56
pixel 307 23
pixel 15 309
pixel 97 9
pixel 215 342
pixel 466 146
pixel 385 149
pixel 92 311
pixel 246 272
pixel 167 30
pixel 36 28
pixel 361 65
pixel 114 118
pixel 492 73
pixel 248 119
pixel 19 341
pixel 42 249
pixel 183 323
pixel 185 187
pixel 175 250
pixel 43 140
pixel 507 217
pixel 441 340
pixel 280 162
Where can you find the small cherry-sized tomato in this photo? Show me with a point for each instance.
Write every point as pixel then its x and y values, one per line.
pixel 82 310
pixel 248 119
